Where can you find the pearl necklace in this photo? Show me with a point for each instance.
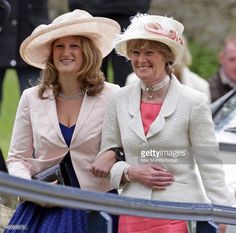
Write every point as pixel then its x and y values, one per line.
pixel 155 87
pixel 72 97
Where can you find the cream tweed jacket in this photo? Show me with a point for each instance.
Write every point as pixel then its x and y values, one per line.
pixel 183 123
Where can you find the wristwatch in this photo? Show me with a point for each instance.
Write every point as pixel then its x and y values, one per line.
pixel 120 155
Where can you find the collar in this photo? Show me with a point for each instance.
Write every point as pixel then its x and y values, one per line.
pixel 225 79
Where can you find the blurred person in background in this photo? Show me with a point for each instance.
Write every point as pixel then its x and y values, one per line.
pixel 183 74
pixel 5 9
pixel 24 17
pixel 225 78
pixel 120 11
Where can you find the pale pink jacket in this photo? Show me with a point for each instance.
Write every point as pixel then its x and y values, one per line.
pixel 37 128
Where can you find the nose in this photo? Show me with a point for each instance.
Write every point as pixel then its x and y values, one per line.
pixel 66 50
pixel 142 57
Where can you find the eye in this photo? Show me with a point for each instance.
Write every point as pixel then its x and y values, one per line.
pixel 75 45
pixel 135 52
pixel 58 45
pixel 150 52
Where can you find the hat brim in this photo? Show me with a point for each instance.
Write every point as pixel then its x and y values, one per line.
pixel 36 49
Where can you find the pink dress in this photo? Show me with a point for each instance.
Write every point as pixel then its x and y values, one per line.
pixel 133 224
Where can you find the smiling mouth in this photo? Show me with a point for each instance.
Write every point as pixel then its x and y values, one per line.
pixel 143 67
pixel 66 61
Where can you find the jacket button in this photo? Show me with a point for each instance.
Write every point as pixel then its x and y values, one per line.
pixel 14 22
pixel 13 62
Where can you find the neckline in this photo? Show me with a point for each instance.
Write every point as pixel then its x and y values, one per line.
pixel 73 126
pixel 142 102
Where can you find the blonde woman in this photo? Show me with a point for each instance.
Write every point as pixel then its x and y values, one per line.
pixel 61 118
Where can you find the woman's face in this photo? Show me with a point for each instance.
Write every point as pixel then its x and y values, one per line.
pixel 67 54
pixel 148 64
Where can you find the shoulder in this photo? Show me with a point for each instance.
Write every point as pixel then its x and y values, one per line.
pixel 110 87
pixel 192 96
pixel 123 92
pixel 32 91
pixel 193 78
pixel 196 82
pixel 131 79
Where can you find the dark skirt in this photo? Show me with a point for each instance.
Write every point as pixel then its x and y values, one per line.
pixel 205 227
pixel 31 218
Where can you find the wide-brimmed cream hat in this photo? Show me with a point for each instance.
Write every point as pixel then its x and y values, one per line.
pixel 36 48
pixel 153 27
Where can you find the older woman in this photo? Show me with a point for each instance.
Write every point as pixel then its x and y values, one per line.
pixel 61 118
pixel 160 122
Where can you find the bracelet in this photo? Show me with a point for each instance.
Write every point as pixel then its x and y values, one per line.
pixel 126 174
pixel 120 155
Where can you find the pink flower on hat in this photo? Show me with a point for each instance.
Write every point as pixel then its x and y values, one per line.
pixel 158 29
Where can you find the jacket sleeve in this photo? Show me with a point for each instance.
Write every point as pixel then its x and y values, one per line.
pixel 21 146
pixel 111 138
pixel 110 132
pixel 206 151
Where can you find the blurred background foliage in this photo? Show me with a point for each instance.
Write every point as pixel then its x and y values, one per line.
pixel 205 60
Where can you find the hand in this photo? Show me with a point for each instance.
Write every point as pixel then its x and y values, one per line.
pixel 151 175
pixel 222 228
pixel 103 164
pixel 43 204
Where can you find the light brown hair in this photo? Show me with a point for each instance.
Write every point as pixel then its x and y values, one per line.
pixel 90 76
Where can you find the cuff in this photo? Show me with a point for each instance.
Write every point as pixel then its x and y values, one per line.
pixel 116 173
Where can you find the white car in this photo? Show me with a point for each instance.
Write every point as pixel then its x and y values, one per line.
pixel 224 117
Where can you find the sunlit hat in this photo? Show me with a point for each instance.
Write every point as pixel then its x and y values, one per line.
pixel 36 48
pixel 153 27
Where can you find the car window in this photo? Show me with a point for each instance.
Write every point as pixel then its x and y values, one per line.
pixel 226 117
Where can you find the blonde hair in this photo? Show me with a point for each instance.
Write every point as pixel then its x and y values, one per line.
pixel 90 76
pixel 185 61
pixel 161 48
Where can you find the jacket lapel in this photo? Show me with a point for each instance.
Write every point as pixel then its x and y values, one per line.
pixel 136 124
pixel 168 107
pixel 86 108
pixel 51 111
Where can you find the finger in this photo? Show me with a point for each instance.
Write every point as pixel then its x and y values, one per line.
pixel 158 188
pixel 163 174
pixel 90 167
pixel 103 173
pixel 160 178
pixel 54 182
pixel 97 172
pixel 158 167
pixel 162 184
